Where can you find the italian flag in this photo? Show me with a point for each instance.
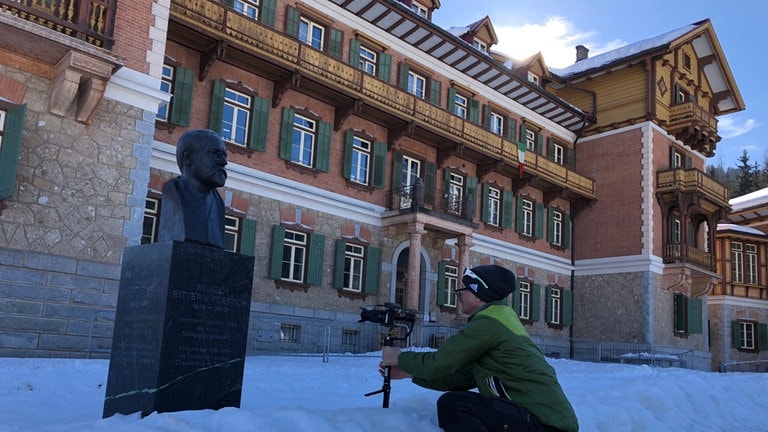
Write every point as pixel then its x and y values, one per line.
pixel 521 147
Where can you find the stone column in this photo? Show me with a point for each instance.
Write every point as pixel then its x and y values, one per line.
pixel 413 289
pixel 464 244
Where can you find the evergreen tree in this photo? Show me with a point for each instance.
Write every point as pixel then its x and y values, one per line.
pixel 747 174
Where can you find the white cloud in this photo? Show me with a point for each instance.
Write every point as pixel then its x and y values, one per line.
pixel 733 126
pixel 556 39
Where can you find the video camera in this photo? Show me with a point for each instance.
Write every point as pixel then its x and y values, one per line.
pixel 388 314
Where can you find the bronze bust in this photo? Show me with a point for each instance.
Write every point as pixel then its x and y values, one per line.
pixel 192 209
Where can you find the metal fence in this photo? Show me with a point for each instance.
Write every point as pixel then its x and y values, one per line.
pixel 745 366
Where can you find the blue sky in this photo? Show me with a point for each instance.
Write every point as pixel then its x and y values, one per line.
pixel 555 27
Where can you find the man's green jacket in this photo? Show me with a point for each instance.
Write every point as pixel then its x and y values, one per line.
pixel 494 353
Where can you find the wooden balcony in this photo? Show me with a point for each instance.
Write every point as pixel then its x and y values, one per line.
pixel 680 253
pixel 210 22
pixel 91 21
pixel 695 126
pixel 692 182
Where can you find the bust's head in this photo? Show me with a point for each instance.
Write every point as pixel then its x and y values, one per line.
pixel 202 156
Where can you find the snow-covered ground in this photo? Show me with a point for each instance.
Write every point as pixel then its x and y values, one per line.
pixel 290 394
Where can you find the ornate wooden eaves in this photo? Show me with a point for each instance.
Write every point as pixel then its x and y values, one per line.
pixel 487 168
pixel 444 154
pixel 282 86
pixel 398 132
pixel 550 196
pixel 209 56
pixel 343 113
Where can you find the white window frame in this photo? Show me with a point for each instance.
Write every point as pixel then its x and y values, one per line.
pixel 249 8
pixel 166 86
pixel 678 159
pixel 451 285
pixel 533 78
pixel 460 106
pixel 530 140
pixel 236 117
pixel 290 333
pixel 361 160
pixel 417 85
pixel 409 173
pixel 419 9
pixel 556 305
pixel 559 154
pixel 368 59
pixel 496 124
pixel 311 33
pixel 494 206
pixel 748 335
pixel 480 46
pixel 737 262
pixel 557 228
pixel 303 141
pixel 354 263
pixel 751 264
pixel 295 249
pixel 676 229
pixel 231 233
pixel 455 193
pixel 528 209
pixel 526 294
pixel 2 127
pixel 151 220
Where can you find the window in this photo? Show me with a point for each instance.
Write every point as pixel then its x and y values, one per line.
pixel 249 8
pixel 367 60
pixel 533 78
pixel 361 160
pixel 151 220
pixel 559 305
pixel 305 140
pixel 687 61
pixel 737 262
pixel 451 283
pixel 677 160
pixel 311 33
pixel 231 233
pixel 530 139
pixel 460 105
pixel 496 124
pixel 748 335
pixel 480 46
pixel 688 314
pixel 676 229
pixel 527 218
pixel 557 154
pixel 349 337
pixel 370 60
pixel 303 143
pixel 356 267
pixel 747 339
pixel 409 175
pixel 494 206
pixel 166 86
pixel 557 228
pixel 455 193
pixel 177 82
pixel 751 271
pixel 296 257
pixel 290 333
pixel 524 304
pixel 364 160
pixel 417 85
pixel 237 108
pixel 419 9
pixel 554 305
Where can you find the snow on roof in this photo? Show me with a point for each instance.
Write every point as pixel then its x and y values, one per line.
pixel 752 199
pixel 458 31
pixel 739 228
pixel 623 52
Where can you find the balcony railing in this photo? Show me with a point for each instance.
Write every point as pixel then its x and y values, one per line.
pixel 288 52
pixel 692 112
pixel 89 20
pixel 680 253
pixel 692 180
pixel 416 197
pixel 695 126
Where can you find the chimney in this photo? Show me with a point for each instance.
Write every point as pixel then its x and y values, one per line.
pixel 582 53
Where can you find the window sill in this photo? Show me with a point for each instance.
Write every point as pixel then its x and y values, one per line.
pixel 303 170
pixel 292 286
pixel 360 187
pixel 353 295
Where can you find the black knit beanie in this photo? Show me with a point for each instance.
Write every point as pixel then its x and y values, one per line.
pixel 489 282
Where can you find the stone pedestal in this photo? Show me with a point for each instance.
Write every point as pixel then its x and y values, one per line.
pixel 181 329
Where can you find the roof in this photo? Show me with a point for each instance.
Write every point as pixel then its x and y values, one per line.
pixel 739 228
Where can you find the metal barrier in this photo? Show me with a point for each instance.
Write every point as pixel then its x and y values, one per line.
pixel 744 366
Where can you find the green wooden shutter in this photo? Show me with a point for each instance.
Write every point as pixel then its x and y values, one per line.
pixel 680 320
pixel 512 129
pixel 338 264
pixel 470 199
pixel 451 100
pixel 372 266
pixel 672 153
pixel 442 296
pixel 762 337
pixel 9 151
pixel 217 106
pixel 446 182
pixel 276 253
pixel 736 334
pixel 292 22
pixel 538 219
pixel 484 211
pixel 688 162
pixel 248 237
pixel 323 159
pixel 519 216
pixel 379 167
pixel 548 307
pixel 516 297
pixel 336 42
pixel 354 53
pixel 539 142
pixel 695 316
pixel 349 137
pixel 566 230
pixel 436 88
pixel 535 302
pixel 567 307
pixel 181 103
pixel 550 225
pixel 267 12
pixel 550 149
pixel 430 174
pixel 402 79
pixel 260 122
pixel 523 134
pixel 487 117
pixel 230 3
pixel 385 67
pixel 506 209
pixel 397 167
pixel 286 133
pixel 474 111
pixel 315 264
